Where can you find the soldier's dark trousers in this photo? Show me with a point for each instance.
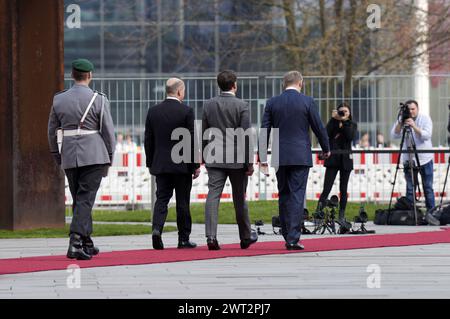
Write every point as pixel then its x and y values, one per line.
pixel 83 183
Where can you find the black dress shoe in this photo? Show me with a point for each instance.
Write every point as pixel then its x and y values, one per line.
pixel 93 251
pixel 245 243
pixel 213 244
pixel 76 250
pixel 89 248
pixel 186 244
pixel 294 247
pixel 157 241
pixel 77 253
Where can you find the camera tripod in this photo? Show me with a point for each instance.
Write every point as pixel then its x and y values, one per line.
pixel 327 223
pixel 276 223
pixel 411 148
pixel 361 219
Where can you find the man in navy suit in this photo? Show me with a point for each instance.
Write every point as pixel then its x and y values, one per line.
pixel 293 113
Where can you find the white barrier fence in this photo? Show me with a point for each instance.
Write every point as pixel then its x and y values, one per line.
pixel 129 181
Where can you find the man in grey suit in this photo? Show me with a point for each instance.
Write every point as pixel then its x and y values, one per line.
pixel 81 139
pixel 221 116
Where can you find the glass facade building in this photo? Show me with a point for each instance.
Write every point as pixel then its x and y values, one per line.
pixel 155 37
pixel 136 44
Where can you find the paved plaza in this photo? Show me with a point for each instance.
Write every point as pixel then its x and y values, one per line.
pixel 401 272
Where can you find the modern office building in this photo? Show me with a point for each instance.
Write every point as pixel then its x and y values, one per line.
pixel 155 37
pixel 136 44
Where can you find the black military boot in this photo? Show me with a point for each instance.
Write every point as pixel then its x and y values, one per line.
pixel 88 246
pixel 75 250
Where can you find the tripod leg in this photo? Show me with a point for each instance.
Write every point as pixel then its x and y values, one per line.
pixel 416 181
pixel 445 183
pixel 412 148
pixel 396 170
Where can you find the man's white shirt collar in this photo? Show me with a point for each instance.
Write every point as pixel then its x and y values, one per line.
pixel 293 88
pixel 173 98
pixel 229 92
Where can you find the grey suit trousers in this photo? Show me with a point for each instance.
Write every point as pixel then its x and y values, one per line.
pixel 216 181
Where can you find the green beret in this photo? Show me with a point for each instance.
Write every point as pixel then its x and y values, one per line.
pixel 82 65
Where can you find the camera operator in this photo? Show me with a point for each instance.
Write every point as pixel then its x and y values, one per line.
pixel 421 127
pixel 341 132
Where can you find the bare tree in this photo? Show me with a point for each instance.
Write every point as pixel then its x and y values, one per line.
pixel 331 37
pixel 325 37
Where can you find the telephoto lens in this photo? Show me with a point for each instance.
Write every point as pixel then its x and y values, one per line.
pixel 333 201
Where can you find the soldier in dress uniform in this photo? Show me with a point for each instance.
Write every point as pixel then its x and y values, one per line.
pixel 81 138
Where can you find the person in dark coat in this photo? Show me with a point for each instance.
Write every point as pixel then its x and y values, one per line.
pixel 341 132
pixel 163 120
pixel 292 114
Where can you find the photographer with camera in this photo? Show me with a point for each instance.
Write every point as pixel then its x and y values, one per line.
pixel 341 132
pixel 421 127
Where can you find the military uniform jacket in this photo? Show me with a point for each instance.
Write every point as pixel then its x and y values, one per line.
pixel 82 150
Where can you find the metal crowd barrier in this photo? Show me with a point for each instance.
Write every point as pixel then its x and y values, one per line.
pixel 129 181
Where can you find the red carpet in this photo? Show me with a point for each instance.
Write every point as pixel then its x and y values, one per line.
pixel 150 256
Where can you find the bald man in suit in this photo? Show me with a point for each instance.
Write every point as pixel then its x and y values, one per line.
pixel 162 120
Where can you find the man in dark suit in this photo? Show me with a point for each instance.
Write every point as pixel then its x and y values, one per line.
pixel 292 114
pixel 223 116
pixel 162 120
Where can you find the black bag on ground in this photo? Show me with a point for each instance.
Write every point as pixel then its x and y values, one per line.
pixel 381 217
pixel 405 217
pixel 445 216
pixel 398 217
pixel 403 203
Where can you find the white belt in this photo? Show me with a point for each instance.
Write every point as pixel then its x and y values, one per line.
pixel 78 132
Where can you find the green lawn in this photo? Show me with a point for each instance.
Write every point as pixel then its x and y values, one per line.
pixel 99 230
pixel 259 210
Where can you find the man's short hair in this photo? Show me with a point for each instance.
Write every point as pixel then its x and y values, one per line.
pixel 412 101
pixel 291 78
pixel 226 80
pixel 79 75
pixel 173 85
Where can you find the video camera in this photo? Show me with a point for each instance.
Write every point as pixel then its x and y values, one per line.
pixel 332 203
pixel 404 113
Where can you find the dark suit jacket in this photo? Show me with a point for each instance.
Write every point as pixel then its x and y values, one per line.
pixel 341 139
pixel 227 112
pixel 293 114
pixel 161 120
